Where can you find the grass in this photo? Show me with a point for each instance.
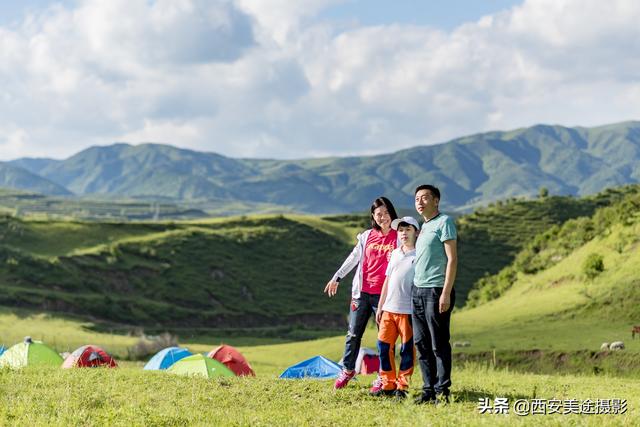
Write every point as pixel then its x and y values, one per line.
pixel 130 396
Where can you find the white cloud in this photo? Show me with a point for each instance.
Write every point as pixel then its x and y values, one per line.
pixel 264 78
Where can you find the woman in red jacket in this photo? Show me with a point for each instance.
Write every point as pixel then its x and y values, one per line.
pixel 371 256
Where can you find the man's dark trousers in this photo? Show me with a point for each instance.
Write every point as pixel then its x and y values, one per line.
pixel 431 337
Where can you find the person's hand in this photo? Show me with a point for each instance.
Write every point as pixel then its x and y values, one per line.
pixel 332 288
pixel 444 303
pixel 378 316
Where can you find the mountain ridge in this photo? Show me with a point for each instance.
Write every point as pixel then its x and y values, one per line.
pixel 471 170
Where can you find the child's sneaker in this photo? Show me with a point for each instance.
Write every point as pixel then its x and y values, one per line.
pixel 343 379
pixel 377 389
pixel 376 385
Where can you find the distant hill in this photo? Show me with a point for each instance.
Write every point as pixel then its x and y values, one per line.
pixel 34 205
pixel 12 176
pixel 473 170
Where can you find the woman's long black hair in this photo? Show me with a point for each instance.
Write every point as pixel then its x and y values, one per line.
pixel 382 201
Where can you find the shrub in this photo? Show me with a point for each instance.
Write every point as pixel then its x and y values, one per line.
pixel 149 345
pixel 593 265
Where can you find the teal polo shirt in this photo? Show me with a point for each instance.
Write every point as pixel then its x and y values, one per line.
pixel 431 259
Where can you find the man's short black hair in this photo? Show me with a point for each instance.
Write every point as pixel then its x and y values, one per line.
pixel 382 201
pixel 434 190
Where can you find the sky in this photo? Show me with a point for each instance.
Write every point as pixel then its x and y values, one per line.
pixel 307 78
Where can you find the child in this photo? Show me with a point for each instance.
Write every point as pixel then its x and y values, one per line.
pixel 394 315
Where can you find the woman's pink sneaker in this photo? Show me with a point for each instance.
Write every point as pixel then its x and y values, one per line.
pixel 343 379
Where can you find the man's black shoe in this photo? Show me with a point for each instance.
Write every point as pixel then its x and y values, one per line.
pixel 425 398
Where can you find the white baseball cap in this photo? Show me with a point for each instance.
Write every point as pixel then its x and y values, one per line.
pixel 408 219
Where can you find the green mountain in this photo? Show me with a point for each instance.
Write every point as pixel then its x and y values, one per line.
pixel 12 176
pixel 471 171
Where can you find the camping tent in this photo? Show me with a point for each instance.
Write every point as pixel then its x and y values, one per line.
pixel 89 356
pixel 200 365
pixel 317 367
pixel 167 357
pixel 367 362
pixel 2 349
pixel 232 359
pixel 30 353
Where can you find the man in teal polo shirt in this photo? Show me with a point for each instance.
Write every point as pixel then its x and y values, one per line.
pixel 433 296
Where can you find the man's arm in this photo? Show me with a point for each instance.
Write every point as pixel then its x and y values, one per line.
pixel 451 250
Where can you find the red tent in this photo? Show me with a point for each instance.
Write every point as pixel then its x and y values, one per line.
pixel 232 359
pixel 368 361
pixel 89 356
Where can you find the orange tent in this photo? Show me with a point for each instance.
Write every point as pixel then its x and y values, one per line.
pixel 232 359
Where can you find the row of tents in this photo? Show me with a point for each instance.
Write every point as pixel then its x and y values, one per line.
pixel 223 361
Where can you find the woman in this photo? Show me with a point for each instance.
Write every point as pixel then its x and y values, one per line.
pixel 371 255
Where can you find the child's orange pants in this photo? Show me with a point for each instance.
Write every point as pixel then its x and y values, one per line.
pixel 392 326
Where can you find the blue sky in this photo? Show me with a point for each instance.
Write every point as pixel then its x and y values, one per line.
pixel 436 13
pixel 443 14
pixel 307 78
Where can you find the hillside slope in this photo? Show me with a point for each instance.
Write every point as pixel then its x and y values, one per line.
pixel 559 305
pixel 232 273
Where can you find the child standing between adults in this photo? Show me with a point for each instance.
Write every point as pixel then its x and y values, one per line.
pixel 371 254
pixel 394 315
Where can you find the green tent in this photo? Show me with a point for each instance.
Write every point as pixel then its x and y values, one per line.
pixel 200 365
pixel 30 353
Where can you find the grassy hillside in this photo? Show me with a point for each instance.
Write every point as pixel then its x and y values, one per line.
pixel 239 272
pixel 554 243
pixel 490 238
pixel 563 305
pixel 235 272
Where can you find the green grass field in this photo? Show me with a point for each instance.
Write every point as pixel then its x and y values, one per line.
pixel 131 396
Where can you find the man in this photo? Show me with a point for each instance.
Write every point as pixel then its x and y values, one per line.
pixel 433 296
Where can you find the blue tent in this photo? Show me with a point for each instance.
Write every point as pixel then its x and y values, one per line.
pixel 167 357
pixel 317 367
pixel 2 349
